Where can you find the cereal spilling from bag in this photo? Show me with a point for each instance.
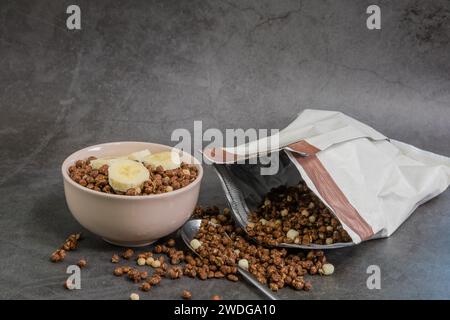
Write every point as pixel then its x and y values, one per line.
pixel 368 184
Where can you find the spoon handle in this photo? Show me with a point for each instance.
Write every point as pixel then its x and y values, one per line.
pixel 250 278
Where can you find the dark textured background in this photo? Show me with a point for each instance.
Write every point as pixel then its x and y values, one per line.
pixel 140 69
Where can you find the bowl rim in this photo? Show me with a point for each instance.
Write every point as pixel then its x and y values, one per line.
pixel 65 166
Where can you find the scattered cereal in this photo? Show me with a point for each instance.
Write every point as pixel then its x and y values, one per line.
pixel 327 269
pixel 134 296
pixel 186 294
pixel 82 263
pixel 195 244
pixel 141 261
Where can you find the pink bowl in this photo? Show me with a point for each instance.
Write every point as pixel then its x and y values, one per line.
pixel 129 220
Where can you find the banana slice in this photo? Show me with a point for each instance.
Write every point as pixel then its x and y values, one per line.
pixel 126 174
pixel 97 163
pixel 139 155
pixel 169 160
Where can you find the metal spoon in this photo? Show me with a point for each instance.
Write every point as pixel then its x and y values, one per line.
pixel 188 232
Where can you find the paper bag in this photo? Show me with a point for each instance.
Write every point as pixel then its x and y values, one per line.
pixel 371 183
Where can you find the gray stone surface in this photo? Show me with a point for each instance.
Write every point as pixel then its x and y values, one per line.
pixel 140 69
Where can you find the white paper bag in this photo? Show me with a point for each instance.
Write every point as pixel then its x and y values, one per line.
pixel 371 183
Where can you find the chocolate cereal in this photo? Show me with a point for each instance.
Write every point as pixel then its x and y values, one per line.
pixel 295 215
pixel 160 180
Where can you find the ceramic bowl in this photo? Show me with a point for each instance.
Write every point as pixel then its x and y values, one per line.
pixel 129 220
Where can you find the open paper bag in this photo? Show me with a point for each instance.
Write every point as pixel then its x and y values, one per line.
pixel 371 183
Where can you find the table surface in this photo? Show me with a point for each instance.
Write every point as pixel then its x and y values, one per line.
pixel 137 70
